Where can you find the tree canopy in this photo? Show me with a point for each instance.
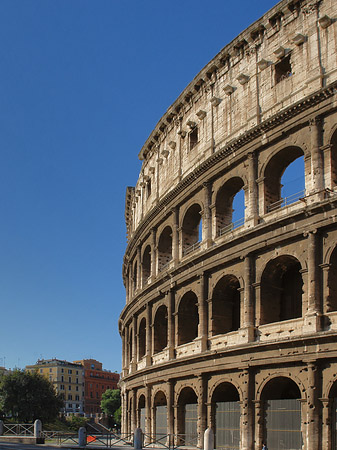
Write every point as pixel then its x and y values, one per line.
pixel 28 396
pixel 111 403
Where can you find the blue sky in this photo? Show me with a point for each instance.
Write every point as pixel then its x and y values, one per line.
pixel 82 84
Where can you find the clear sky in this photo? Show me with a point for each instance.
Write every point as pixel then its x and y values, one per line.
pixel 82 85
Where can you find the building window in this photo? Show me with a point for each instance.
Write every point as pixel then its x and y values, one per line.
pixel 50 370
pixel 41 371
pixel 69 388
pixel 70 371
pixel 283 69
pixel 62 370
pixel 76 372
pixel 77 397
pixel 62 387
pixel 70 397
pixel 76 380
pixel 62 378
pixel 70 405
pixel 96 394
pixel 193 138
pixel 92 366
pixel 91 396
pixel 77 406
pixel 69 380
pixel 77 388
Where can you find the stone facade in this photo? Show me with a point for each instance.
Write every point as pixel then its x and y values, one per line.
pixel 233 324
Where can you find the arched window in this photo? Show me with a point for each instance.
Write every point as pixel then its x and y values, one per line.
pixel 142 412
pixel 229 206
pixel 134 277
pixel 191 229
pixel 334 160
pixel 160 416
pixel 281 290
pixel 188 416
pixel 160 329
pixel 146 266
pixel 226 305
pixel 282 414
pixel 281 191
pixel 188 318
pixel 226 415
pixel 142 338
pixel 165 248
pixel 331 301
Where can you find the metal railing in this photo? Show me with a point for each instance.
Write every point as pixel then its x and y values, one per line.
pixel 191 248
pixel 232 226
pixel 286 201
pixel 18 429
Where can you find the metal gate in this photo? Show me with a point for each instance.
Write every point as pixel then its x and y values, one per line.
pixel 227 425
pixel 283 424
pixel 161 419
pixel 191 420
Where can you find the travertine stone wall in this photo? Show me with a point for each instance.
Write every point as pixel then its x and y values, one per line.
pixel 223 313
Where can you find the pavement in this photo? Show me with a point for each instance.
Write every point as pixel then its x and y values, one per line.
pixel 18 446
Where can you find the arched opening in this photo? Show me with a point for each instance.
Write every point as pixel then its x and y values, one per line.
pixel 331 303
pixel 191 229
pixel 146 266
pixel 142 412
pixel 188 318
pixel 333 415
pixel 230 206
pixel 334 160
pixel 165 248
pixel 160 329
pixel 281 290
pixel 226 305
pixel 142 338
pixel 134 276
pixel 130 341
pixel 160 416
pixel 282 414
pixel 226 416
pixel 291 185
pixel 187 417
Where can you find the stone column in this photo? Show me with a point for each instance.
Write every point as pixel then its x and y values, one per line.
pixel 148 412
pixel 139 268
pixel 148 353
pixel 207 217
pixel 313 315
pixel 202 310
pixel 326 305
pixel 313 431
pixel 326 423
pixel 247 302
pixel 257 294
pixel 202 392
pixel 153 253
pixel 246 413
pixel 252 210
pixel 317 176
pixel 258 424
pixel 170 323
pixel 133 356
pixel 175 236
pixel 134 410
pixel 170 409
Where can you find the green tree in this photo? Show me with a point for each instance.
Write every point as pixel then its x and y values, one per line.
pixel 28 396
pixel 111 401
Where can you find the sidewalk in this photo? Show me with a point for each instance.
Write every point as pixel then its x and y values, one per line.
pixel 16 446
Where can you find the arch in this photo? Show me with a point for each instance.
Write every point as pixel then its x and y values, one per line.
pixel 187 416
pixel 134 276
pixel 331 301
pixel 130 342
pixel 224 204
pixel 160 413
pixel 142 338
pixel 160 329
pixel 281 290
pixel 282 413
pixel 225 410
pixel 273 172
pixel 146 265
pixel 191 226
pixel 332 423
pixel 333 144
pixel 164 248
pixel 226 305
pixel 188 318
pixel 142 412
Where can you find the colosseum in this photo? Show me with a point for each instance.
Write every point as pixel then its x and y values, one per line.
pixel 230 269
